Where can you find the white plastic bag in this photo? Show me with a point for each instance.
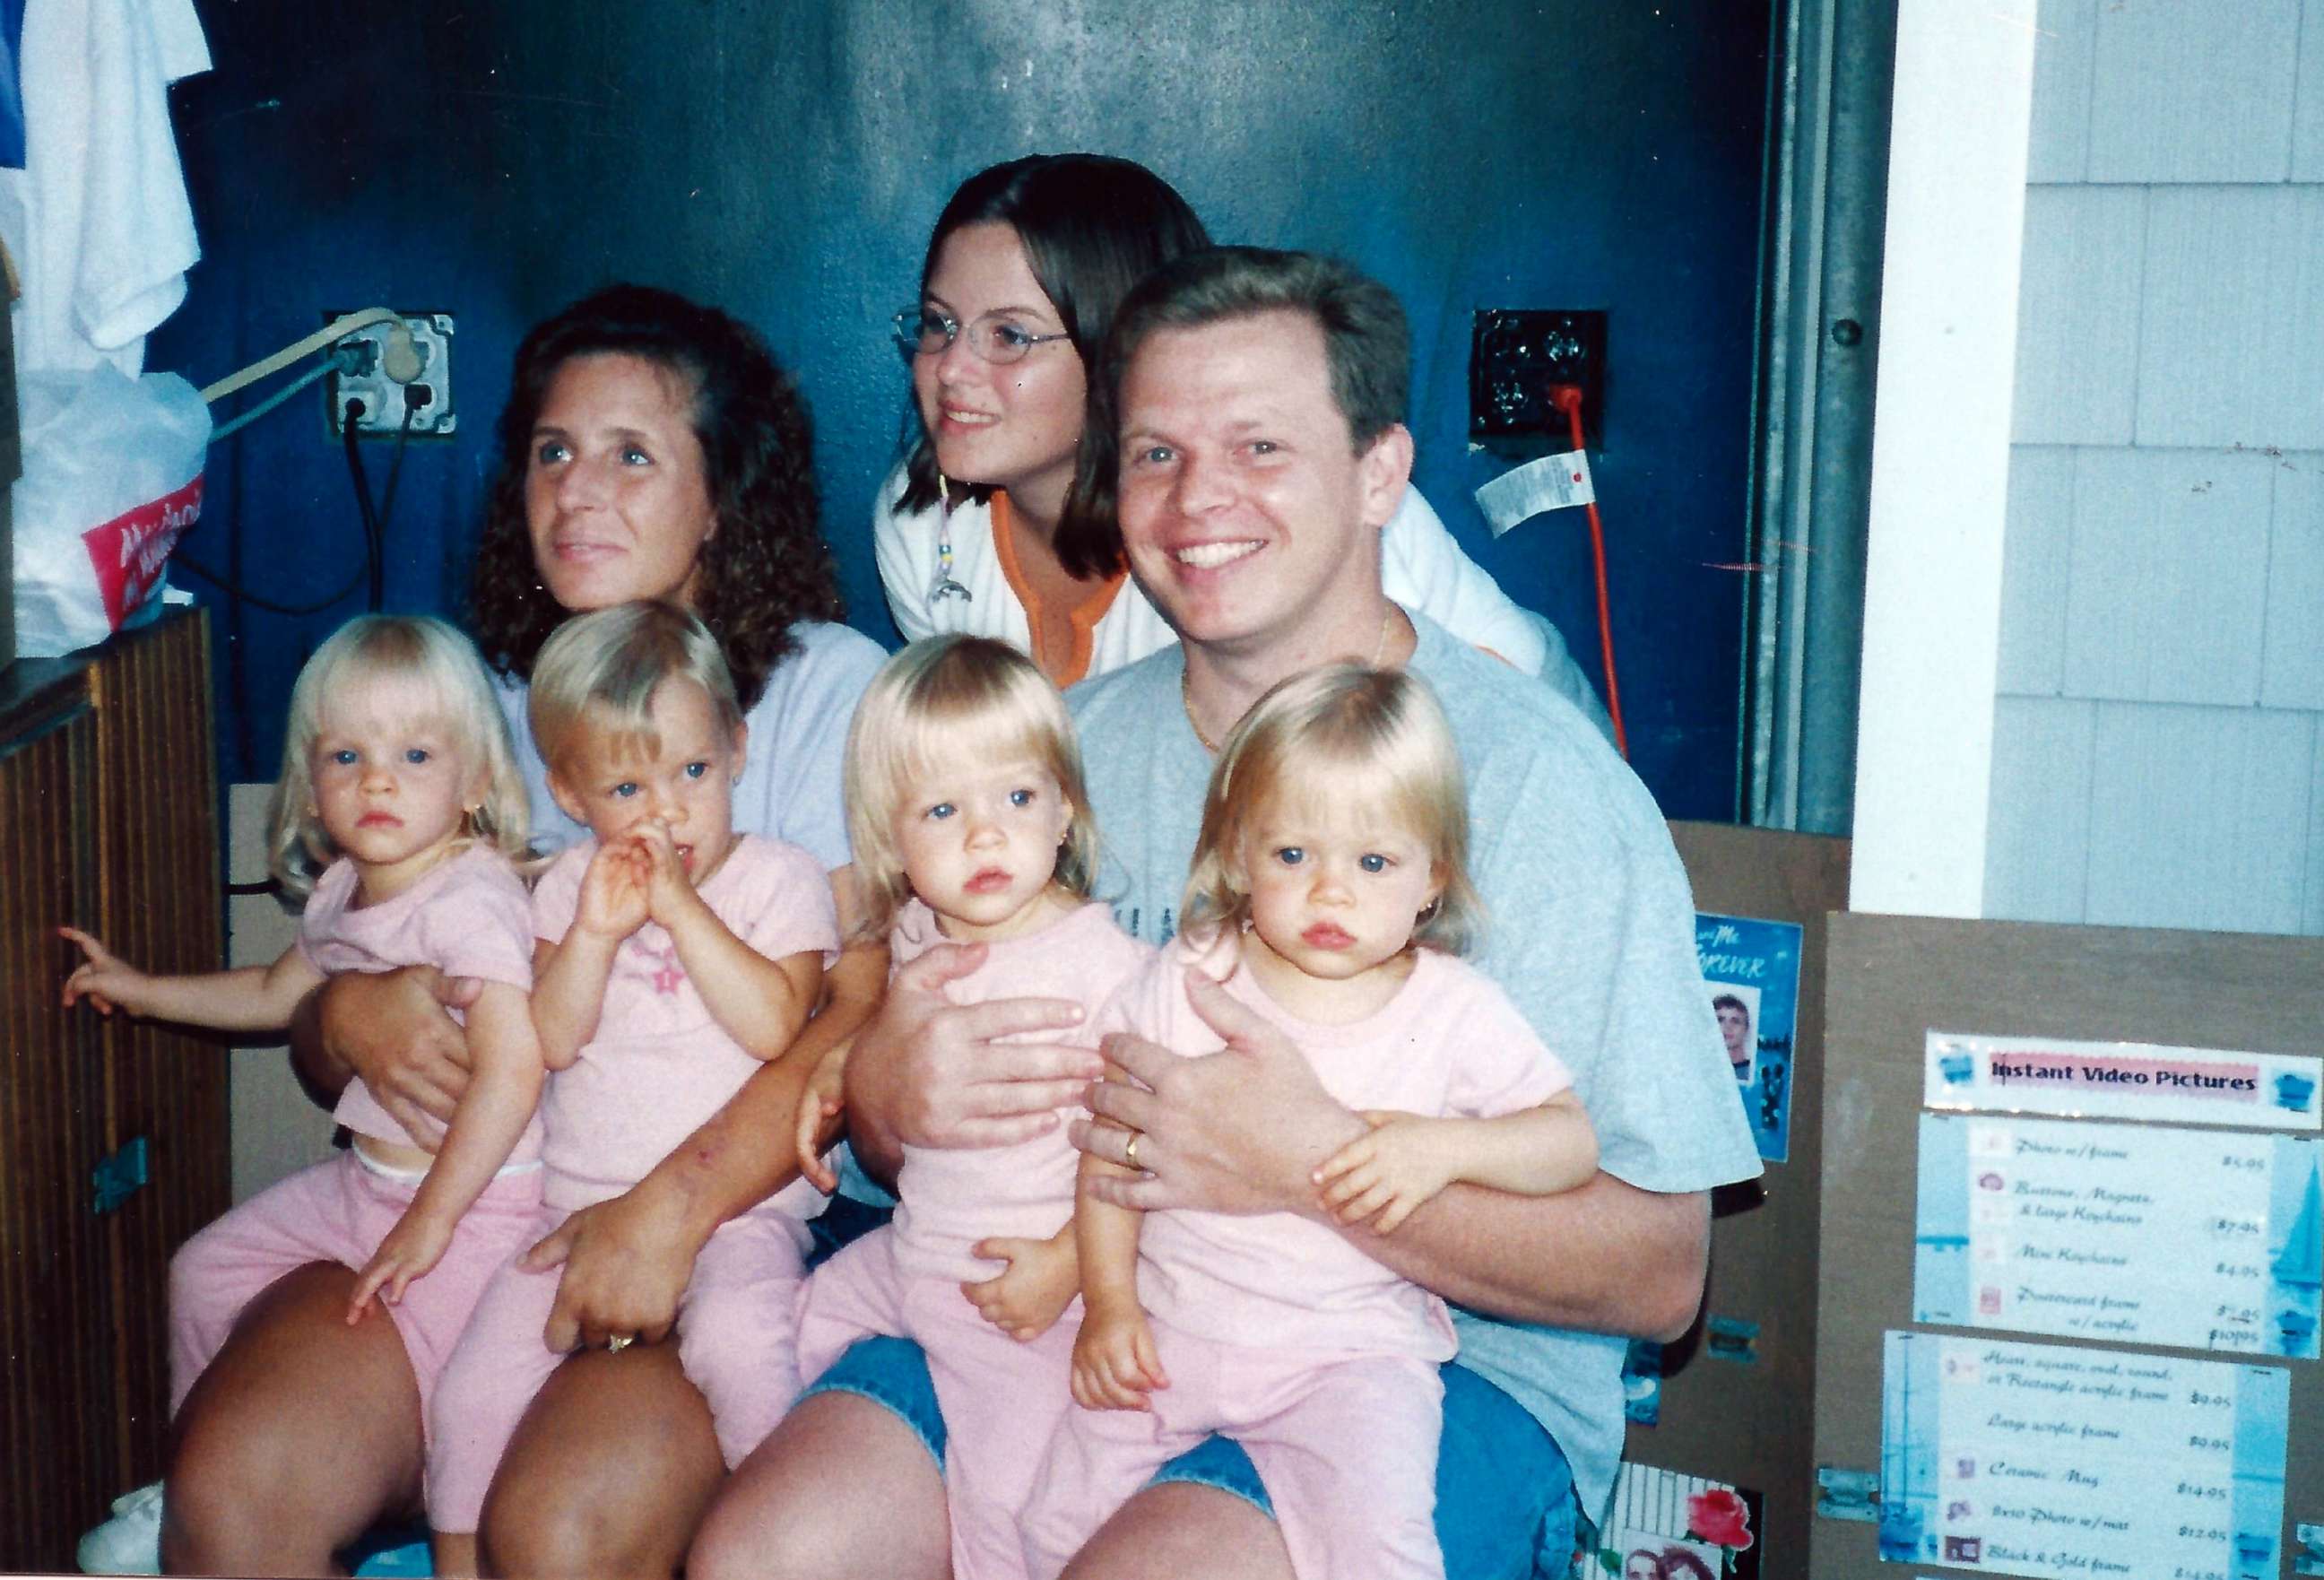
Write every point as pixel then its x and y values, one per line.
pixel 112 476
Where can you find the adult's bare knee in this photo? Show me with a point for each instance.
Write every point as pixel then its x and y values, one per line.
pixel 608 1472
pixel 218 1512
pixel 842 1489
pixel 1183 1528
pixel 300 1434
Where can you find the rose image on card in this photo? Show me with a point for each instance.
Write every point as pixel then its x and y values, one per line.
pixel 1719 1516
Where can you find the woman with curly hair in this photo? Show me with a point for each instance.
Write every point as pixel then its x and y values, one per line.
pixel 651 449
pixel 700 491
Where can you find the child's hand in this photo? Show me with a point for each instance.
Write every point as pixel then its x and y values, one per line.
pixel 411 1248
pixel 104 979
pixel 670 887
pixel 1115 1366
pixel 1404 1162
pixel 1043 1278
pixel 613 903
pixel 821 1102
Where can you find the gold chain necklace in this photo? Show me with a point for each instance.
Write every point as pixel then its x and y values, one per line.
pixel 1186 683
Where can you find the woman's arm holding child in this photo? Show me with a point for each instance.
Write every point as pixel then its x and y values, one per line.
pixel 251 998
pixel 502 1089
pixel 1407 1158
pixel 391 1029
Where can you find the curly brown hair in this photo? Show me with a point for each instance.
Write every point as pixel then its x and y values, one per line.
pixel 766 566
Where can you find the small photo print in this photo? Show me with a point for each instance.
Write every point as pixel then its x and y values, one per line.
pixel 1665 1526
pixel 1737 1006
pixel 1751 978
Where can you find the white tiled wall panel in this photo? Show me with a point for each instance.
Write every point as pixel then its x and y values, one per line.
pixel 2308 111
pixel 2231 339
pixel 2193 90
pixel 2059 149
pixel 2167 576
pixel 2199 817
pixel 2037 832
pixel 2292 673
pixel 2034 566
pixel 2077 310
pixel 2159 722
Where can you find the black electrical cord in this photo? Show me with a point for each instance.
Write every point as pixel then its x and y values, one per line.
pixel 268 604
pixel 395 462
pixel 377 560
pixel 375 521
pixel 371 570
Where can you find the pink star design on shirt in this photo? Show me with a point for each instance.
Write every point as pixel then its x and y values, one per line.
pixel 665 973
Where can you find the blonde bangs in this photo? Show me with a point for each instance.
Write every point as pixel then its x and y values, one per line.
pixel 442 667
pixel 942 703
pixel 1340 744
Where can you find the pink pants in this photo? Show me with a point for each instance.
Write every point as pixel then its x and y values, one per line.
pixel 1001 1400
pixel 1345 1444
pixel 340 1211
pixel 734 1342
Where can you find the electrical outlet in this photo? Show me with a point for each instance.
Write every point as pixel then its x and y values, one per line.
pixel 1515 355
pixel 404 368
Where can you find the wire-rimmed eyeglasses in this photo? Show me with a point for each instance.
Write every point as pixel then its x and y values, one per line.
pixel 997 337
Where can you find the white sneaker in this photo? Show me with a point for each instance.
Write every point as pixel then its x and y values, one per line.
pixel 130 1543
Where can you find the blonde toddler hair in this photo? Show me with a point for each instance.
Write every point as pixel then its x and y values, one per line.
pixel 1327 739
pixel 597 673
pixel 394 647
pixel 939 702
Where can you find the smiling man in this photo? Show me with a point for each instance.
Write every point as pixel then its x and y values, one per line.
pixel 1258 401
pixel 1246 431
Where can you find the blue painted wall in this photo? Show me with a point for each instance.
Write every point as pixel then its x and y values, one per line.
pixel 495 158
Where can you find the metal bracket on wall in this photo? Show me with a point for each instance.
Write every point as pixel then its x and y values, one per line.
pixel 1847 1494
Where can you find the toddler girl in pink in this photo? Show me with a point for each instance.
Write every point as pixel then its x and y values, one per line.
pixel 969 823
pixel 400 787
pixel 1328 879
pixel 673 957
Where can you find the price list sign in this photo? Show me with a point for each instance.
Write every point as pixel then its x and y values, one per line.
pixel 2043 1460
pixel 2137 1234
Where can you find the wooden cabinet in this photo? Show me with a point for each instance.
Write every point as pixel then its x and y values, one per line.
pixel 108 818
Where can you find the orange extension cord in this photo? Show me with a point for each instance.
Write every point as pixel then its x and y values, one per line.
pixel 1567 398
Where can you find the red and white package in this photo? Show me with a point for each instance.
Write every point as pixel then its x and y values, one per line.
pixel 113 477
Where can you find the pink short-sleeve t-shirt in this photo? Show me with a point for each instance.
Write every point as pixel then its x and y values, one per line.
pixel 951 1197
pixel 467 916
pixel 1449 1043
pixel 660 1064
